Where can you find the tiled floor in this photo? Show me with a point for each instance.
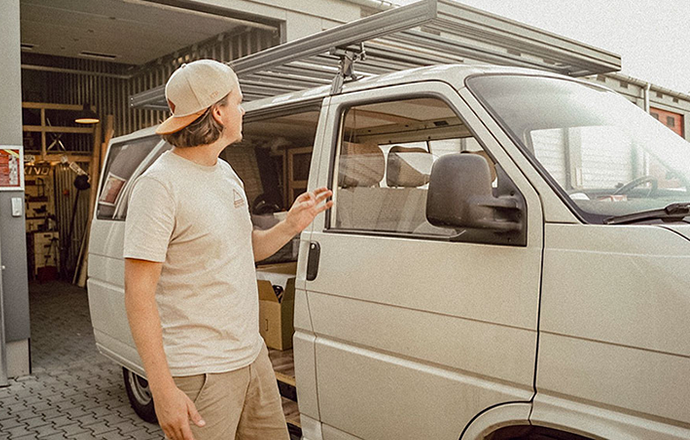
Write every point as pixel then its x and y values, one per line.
pixel 73 392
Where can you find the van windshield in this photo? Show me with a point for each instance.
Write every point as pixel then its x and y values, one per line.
pixel 605 155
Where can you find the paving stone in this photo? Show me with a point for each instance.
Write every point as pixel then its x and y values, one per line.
pixel 55 436
pixel 44 431
pixel 8 423
pixel 51 413
pixel 19 431
pixel 61 421
pixel 81 436
pixel 73 392
pixel 99 428
pixel 73 429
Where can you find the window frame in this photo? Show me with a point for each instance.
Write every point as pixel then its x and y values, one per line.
pixel 125 140
pixel 338 112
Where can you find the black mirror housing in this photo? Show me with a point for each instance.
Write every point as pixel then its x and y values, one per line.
pixel 460 196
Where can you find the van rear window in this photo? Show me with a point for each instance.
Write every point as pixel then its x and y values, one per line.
pixel 126 161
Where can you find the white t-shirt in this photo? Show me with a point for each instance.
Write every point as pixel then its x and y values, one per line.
pixel 195 220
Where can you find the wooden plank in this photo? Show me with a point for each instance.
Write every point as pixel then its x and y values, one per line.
pixel 284 378
pixel 72 156
pixel 44 143
pixel 52 129
pixel 109 132
pixel 94 167
pixel 51 106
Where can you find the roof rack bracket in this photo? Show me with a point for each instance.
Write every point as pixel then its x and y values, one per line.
pixel 347 56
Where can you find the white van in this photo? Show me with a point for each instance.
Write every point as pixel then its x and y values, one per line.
pixel 508 256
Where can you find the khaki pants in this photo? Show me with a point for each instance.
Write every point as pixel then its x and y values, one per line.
pixel 243 404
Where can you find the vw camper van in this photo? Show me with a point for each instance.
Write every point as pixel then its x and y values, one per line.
pixel 508 256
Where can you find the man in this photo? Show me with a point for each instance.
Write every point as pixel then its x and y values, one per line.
pixel 190 283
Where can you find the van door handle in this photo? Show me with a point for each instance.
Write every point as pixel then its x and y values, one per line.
pixel 313 260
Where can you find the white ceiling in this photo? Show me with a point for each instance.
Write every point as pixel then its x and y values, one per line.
pixel 134 31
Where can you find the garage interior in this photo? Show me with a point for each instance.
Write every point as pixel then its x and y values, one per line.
pixel 94 54
pixel 86 58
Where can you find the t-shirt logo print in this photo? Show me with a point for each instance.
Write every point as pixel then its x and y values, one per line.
pixel 238 199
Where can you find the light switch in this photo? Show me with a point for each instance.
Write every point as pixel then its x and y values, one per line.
pixel 17 205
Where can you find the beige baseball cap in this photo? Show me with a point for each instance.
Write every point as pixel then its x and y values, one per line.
pixel 193 88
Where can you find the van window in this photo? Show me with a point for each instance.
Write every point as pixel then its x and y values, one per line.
pixel 126 161
pixel 604 155
pixel 384 161
pixel 273 160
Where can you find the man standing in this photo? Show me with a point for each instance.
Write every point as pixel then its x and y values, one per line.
pixel 190 283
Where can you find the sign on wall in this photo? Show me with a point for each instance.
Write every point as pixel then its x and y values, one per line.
pixel 11 167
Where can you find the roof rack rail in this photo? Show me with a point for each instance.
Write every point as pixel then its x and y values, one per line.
pixel 420 34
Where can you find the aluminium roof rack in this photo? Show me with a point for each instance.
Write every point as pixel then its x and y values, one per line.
pixel 420 34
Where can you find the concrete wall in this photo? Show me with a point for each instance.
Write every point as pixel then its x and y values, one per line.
pixel 12 242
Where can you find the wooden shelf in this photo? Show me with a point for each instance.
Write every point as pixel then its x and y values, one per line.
pixel 44 128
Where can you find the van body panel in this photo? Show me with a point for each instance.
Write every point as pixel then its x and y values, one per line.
pixel 122 353
pixel 614 319
pixel 419 400
pixel 426 331
pixel 509 414
pixel 304 341
pixel 683 230
pixel 440 339
pixel 110 242
pixel 555 210
pixel 303 345
pixel 108 311
pixel 312 429
pixel 593 421
pixel 624 285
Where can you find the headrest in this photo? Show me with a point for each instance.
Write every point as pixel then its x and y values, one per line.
pixel 408 167
pixel 360 165
pixel 485 155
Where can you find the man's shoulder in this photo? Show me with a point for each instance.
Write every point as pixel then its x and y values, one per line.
pixel 162 169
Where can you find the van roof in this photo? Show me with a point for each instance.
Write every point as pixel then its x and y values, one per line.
pixel 450 73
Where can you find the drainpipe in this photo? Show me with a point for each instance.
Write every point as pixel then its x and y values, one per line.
pixel 646 97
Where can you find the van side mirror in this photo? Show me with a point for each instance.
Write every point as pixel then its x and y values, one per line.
pixel 460 196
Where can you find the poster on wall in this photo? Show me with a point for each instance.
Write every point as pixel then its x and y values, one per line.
pixel 11 168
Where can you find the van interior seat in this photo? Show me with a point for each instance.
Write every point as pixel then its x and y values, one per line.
pixel 404 206
pixel 359 198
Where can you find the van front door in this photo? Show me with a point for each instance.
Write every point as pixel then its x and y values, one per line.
pixel 414 333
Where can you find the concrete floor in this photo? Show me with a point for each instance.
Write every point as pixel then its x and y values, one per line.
pixel 73 392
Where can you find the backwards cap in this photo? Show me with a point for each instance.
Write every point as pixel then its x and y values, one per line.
pixel 193 88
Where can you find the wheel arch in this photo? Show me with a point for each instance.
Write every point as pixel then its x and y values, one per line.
pixel 495 418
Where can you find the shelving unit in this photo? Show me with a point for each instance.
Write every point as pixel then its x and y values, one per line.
pixel 44 128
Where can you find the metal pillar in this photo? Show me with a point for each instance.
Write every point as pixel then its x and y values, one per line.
pixel 14 292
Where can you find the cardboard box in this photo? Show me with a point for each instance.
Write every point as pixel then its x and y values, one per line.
pixel 276 316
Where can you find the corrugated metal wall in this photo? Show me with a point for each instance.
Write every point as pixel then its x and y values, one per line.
pixel 223 48
pixel 111 84
pixel 65 196
pixel 108 88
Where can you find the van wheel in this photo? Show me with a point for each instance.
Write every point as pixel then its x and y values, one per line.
pixel 139 396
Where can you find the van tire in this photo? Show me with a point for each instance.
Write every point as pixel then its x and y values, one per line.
pixel 139 396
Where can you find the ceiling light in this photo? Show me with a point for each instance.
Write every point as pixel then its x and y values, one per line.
pixel 86 116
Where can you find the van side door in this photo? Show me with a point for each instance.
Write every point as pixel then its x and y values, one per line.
pixel 416 328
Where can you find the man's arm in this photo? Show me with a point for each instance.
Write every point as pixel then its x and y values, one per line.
pixel 306 207
pixel 173 407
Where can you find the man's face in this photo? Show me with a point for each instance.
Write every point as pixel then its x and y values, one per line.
pixel 232 114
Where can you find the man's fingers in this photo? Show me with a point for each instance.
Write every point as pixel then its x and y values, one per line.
pixel 325 206
pixel 318 191
pixel 324 195
pixel 194 414
pixel 186 432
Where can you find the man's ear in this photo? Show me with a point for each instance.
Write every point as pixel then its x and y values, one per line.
pixel 216 114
